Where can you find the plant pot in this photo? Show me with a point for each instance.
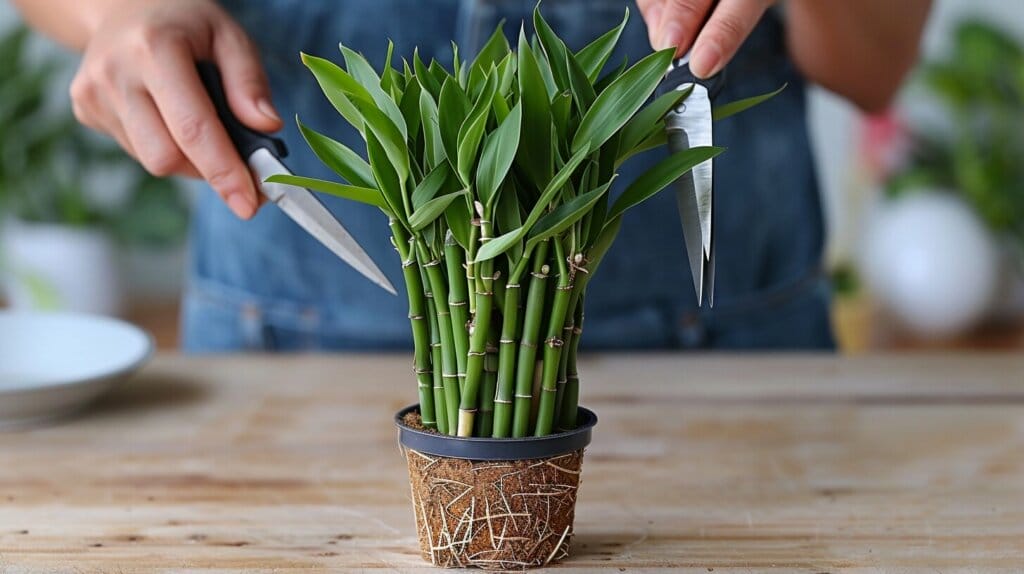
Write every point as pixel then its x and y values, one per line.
pixel 52 266
pixel 496 504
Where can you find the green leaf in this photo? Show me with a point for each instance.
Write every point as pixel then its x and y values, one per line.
pixel 431 185
pixel 493 51
pixel 508 217
pixel 497 156
pixel 452 109
pixel 536 151
pixel 432 209
pixel 384 173
pixel 611 76
pixel 339 87
pixel 432 144
pixel 582 88
pixel 342 160
pixel 661 176
pixel 593 57
pixel 366 195
pixel 389 138
pixel 733 108
pixel 427 81
pixel 363 72
pixel 410 106
pixel 563 216
pixel 640 126
pixel 554 50
pixel 621 99
pixel 460 221
pixel 472 131
pixel 503 243
pixel 561 108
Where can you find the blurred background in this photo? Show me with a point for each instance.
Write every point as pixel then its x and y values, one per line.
pixel 925 203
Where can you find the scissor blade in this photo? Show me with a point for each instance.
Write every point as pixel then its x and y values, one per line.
pixel 690 126
pixel 305 209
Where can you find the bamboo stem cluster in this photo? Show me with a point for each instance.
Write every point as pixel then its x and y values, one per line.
pixel 495 179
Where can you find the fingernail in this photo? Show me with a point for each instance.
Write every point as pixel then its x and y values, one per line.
pixel 706 60
pixel 267 109
pixel 671 36
pixel 240 205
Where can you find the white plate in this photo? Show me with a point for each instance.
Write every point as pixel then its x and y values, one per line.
pixel 52 364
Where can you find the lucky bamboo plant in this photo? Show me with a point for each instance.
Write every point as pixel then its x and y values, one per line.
pixel 495 178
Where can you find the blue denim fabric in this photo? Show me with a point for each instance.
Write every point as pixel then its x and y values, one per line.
pixel 267 285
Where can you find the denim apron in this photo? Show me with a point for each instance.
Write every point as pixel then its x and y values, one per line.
pixel 267 285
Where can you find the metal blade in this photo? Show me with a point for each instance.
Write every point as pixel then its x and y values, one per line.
pixel 305 209
pixel 690 126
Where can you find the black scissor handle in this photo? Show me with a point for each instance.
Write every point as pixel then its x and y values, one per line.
pixel 246 140
pixel 680 74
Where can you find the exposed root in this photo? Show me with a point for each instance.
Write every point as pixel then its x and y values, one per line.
pixel 505 515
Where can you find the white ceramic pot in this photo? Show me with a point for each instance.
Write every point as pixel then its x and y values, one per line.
pixel 929 260
pixel 48 266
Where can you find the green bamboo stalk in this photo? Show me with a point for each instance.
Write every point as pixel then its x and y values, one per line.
pixel 418 320
pixel 568 336
pixel 435 352
pixel 474 237
pixel 527 360
pixel 453 257
pixel 553 344
pixel 569 408
pixel 508 343
pixel 444 325
pixel 485 422
pixel 478 337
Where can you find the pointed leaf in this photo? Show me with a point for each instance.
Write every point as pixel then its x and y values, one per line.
pixel 500 244
pixel 431 185
pixel 497 156
pixel 389 138
pixel 459 221
pixel 593 57
pixel 535 152
pixel 639 127
pixel 363 72
pixel 410 106
pixel 339 158
pixel 582 88
pixel 427 81
pixel 339 87
pixel 385 175
pixel 661 176
pixel 433 209
pixel 554 50
pixel 432 144
pixel 493 51
pixel 563 216
pixel 452 109
pixel 621 99
pixel 733 108
pixel 355 193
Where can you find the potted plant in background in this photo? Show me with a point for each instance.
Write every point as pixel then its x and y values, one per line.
pixel 966 233
pixel 495 177
pixel 60 245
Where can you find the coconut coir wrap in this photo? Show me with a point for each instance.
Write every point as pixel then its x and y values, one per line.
pixel 495 515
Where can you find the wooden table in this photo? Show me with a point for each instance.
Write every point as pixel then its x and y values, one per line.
pixel 737 464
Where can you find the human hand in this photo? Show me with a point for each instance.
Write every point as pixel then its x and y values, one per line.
pixel 138 83
pixel 714 29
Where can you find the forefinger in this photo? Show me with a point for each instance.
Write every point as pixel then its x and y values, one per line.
pixel 193 123
pixel 726 29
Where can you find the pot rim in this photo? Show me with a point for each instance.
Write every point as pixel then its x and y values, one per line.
pixel 491 449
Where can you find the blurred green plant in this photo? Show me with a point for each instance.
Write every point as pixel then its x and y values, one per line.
pixel 980 83
pixel 46 158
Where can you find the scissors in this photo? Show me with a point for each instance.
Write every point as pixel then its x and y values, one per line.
pixel 688 126
pixel 263 153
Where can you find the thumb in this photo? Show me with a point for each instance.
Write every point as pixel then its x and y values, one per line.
pixel 245 82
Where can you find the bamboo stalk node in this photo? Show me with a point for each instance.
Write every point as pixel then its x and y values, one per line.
pixel 432 263
pixel 507 341
pixel 408 263
pixel 554 342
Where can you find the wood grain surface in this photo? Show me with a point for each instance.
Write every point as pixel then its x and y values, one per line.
pixel 699 464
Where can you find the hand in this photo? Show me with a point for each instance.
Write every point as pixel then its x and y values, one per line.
pixel 681 24
pixel 138 83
